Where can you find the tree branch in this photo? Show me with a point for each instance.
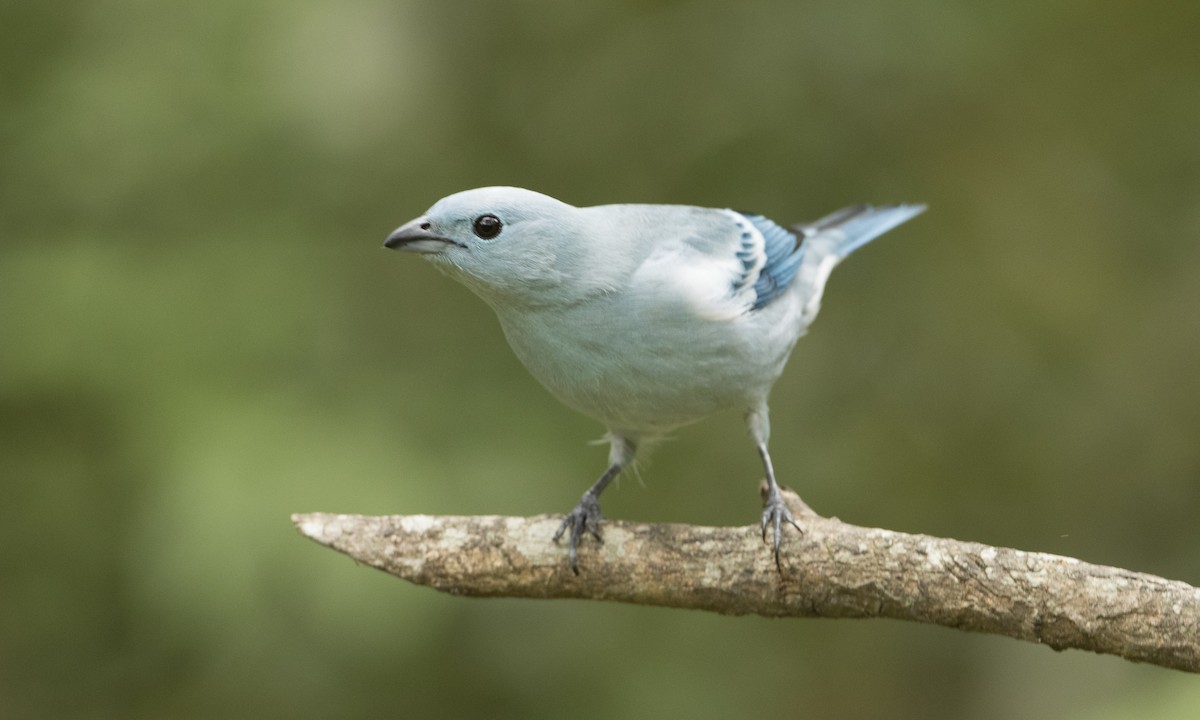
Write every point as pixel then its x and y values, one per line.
pixel 833 570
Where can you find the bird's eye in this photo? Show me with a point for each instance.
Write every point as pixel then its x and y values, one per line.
pixel 487 226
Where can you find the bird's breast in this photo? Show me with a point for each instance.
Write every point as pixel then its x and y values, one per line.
pixel 642 369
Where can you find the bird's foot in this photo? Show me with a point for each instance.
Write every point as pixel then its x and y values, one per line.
pixel 775 514
pixel 584 518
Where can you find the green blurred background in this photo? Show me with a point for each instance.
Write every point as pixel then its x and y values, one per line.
pixel 199 335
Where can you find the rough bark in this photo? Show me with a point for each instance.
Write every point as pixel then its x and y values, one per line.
pixel 833 570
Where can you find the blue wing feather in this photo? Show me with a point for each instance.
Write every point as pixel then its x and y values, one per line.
pixel 784 253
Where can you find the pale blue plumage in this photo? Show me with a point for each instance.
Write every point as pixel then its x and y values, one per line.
pixel 646 317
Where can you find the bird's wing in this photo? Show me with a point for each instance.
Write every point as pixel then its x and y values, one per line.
pixel 719 262
pixel 726 263
pixel 771 257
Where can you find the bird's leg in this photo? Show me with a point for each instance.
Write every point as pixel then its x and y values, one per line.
pixel 775 512
pixel 586 515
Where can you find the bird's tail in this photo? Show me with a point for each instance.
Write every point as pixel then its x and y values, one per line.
pixel 852 227
pixel 829 240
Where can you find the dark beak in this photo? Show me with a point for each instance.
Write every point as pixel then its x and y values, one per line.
pixel 416 236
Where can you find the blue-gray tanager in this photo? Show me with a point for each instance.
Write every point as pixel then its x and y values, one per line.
pixel 645 317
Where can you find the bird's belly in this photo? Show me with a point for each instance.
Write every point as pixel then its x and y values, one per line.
pixel 638 378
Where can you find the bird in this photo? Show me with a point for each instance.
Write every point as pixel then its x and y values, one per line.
pixel 645 317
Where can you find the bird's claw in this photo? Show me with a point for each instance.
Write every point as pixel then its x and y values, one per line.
pixel 775 513
pixel 584 518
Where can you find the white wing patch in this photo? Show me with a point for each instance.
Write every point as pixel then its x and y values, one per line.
pixel 715 283
pixel 752 258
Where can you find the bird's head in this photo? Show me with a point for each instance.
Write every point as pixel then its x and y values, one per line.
pixel 504 243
